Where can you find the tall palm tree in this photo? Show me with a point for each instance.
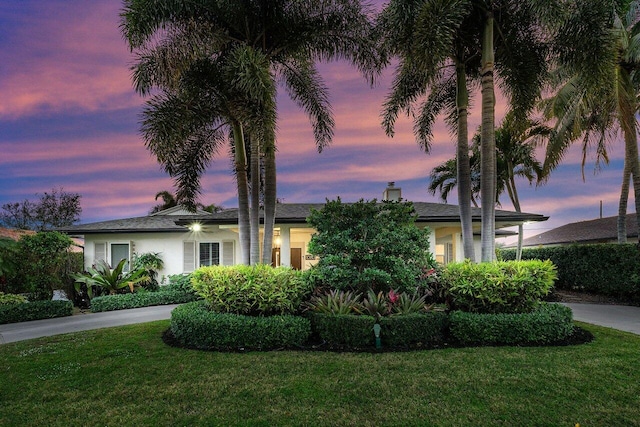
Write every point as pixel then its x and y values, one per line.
pixel 435 46
pixel 515 157
pixel 598 48
pixel 291 35
pixel 433 37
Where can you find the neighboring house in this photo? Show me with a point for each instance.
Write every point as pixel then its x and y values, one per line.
pixel 187 241
pixel 13 234
pixel 603 230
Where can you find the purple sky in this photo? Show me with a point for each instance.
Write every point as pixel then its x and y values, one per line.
pixel 69 118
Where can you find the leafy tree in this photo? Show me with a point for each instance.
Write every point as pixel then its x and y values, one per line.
pixel 41 261
pixel 368 246
pixel 53 209
pixel 280 38
pixel 598 51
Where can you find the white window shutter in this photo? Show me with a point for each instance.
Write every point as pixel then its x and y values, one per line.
pixel 228 253
pixel 99 252
pixel 188 256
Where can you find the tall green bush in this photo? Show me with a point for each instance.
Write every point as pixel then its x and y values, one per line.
pixel 499 287
pixel 368 245
pixel 606 269
pixel 252 290
pixel 41 261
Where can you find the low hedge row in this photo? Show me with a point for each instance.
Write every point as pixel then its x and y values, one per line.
pixel 605 269
pixel 352 331
pixel 36 310
pixel 194 325
pixel 547 324
pixel 140 299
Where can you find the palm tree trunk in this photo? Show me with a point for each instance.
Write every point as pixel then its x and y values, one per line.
pixel 464 168
pixel 622 204
pixel 240 163
pixel 488 144
pixel 254 212
pixel 269 198
pixel 632 159
pixel 515 200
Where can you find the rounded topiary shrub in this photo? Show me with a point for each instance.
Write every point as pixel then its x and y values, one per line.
pixel 546 324
pixel 498 287
pixel 251 290
pixel 194 325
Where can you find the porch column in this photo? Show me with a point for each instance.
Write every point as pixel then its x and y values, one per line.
pixel 285 245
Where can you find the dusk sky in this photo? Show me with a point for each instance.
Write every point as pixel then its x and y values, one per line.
pixel 69 118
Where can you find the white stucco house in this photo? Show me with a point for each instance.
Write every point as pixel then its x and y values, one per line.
pixel 186 241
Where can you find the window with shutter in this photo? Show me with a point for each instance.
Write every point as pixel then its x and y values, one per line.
pixel 228 253
pixel 188 256
pixel 99 252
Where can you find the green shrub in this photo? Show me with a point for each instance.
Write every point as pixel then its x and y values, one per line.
pixel 499 287
pixel 139 299
pixel 7 299
pixel 546 324
pixel 418 328
pixel 344 330
pixel 39 265
pixel 180 282
pixel 368 245
pixel 34 311
pixel 606 269
pixel 355 332
pixel 251 290
pixel 194 325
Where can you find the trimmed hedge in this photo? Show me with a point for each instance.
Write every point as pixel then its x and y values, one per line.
pixel 139 299
pixel 498 287
pixel 353 331
pixel 605 269
pixel 35 310
pixel 194 325
pixel 547 324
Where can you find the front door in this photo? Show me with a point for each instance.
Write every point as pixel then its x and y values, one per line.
pixel 296 258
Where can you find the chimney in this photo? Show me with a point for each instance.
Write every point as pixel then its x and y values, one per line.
pixel 391 193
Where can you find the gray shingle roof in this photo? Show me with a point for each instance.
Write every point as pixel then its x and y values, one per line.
pixel 593 231
pixel 286 213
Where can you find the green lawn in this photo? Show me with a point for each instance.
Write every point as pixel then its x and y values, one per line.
pixel 128 376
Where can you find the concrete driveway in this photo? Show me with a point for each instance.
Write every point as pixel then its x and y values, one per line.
pixel 82 322
pixel 621 317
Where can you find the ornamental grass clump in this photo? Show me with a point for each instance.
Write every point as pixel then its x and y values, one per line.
pixel 499 287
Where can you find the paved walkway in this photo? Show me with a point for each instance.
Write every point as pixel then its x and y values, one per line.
pixel 82 322
pixel 619 317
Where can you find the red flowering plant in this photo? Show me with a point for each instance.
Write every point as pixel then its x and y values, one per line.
pixel 393 303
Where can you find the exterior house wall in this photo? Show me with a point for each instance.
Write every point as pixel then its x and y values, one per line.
pixel 169 245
